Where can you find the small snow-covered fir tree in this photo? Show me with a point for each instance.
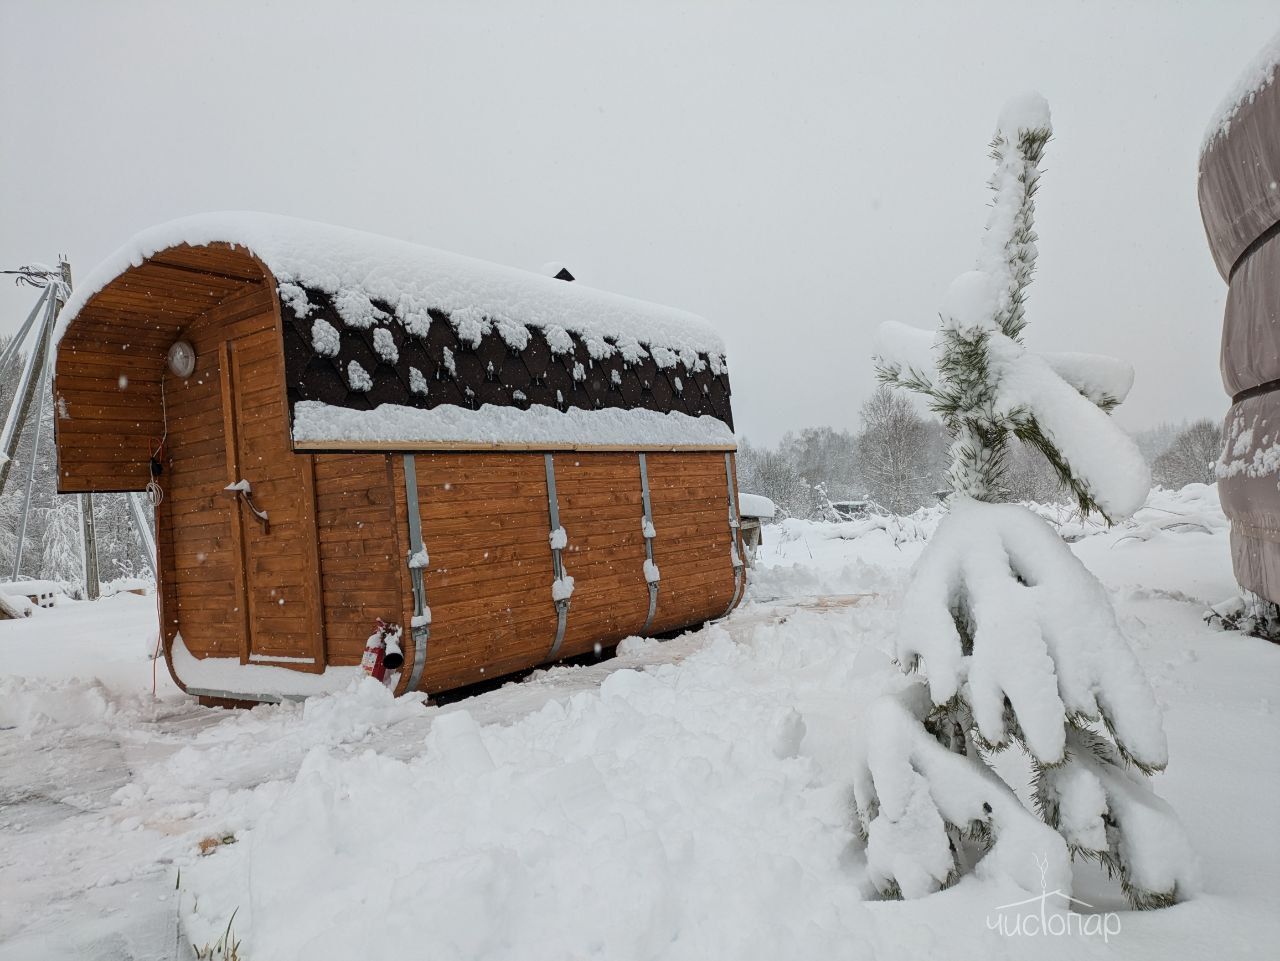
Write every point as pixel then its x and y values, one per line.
pixel 62 550
pixel 1005 637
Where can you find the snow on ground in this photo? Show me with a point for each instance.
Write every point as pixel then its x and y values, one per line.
pixel 688 799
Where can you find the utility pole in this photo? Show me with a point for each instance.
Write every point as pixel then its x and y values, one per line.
pixel 28 381
pixel 34 381
pixel 143 531
pixel 92 583
pixel 31 482
pixel 92 587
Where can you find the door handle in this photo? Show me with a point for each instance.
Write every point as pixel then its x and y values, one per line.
pixel 244 490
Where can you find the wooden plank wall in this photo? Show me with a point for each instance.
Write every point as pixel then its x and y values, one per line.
pixel 199 556
pixel 602 511
pixel 202 589
pixel 486 524
pixel 108 415
pixel 361 555
pixel 111 360
pixel 690 498
pixel 281 561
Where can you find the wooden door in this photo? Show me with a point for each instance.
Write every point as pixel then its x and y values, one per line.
pixel 198 533
pixel 275 522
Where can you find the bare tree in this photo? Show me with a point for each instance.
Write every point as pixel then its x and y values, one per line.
pixel 1190 457
pixel 823 456
pixel 1154 441
pixel 894 452
pixel 1028 477
pixel 60 546
pixel 771 473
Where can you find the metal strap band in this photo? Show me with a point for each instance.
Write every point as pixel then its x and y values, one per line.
pixel 648 541
pixel 1268 387
pixel 420 632
pixel 735 526
pixel 557 562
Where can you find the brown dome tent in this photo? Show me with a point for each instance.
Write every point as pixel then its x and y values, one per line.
pixel 1240 203
pixel 341 427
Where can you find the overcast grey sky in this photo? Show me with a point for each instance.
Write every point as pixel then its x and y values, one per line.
pixel 795 172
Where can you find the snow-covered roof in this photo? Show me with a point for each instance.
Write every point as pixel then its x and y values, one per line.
pixel 30 588
pixel 356 267
pixel 1259 74
pixel 14 606
pixel 357 375
pixel 320 426
pixel 389 344
pixel 756 505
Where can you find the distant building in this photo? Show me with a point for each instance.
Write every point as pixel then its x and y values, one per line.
pixel 856 509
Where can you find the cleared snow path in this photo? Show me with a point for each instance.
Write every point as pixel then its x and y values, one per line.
pixel 685 800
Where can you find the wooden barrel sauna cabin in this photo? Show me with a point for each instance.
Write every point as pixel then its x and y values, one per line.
pixel 341 427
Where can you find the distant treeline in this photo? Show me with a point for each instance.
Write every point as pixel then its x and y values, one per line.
pixel 898 459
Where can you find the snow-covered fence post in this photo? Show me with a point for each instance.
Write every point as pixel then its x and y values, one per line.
pixel 1005 636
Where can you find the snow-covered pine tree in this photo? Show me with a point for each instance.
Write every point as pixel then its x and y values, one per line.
pixel 62 547
pixel 1005 637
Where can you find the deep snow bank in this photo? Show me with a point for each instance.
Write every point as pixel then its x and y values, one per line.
pixel 695 804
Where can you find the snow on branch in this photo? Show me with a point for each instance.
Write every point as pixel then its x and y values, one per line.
pixel 906 356
pixel 1106 381
pixel 1041 647
pixel 1094 803
pixel 1098 460
pixel 1008 252
pixel 987 385
pixel 915 800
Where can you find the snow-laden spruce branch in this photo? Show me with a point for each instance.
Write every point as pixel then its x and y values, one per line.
pixel 1006 639
pixel 987 386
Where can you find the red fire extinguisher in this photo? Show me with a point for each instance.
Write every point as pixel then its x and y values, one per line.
pixel 382 651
